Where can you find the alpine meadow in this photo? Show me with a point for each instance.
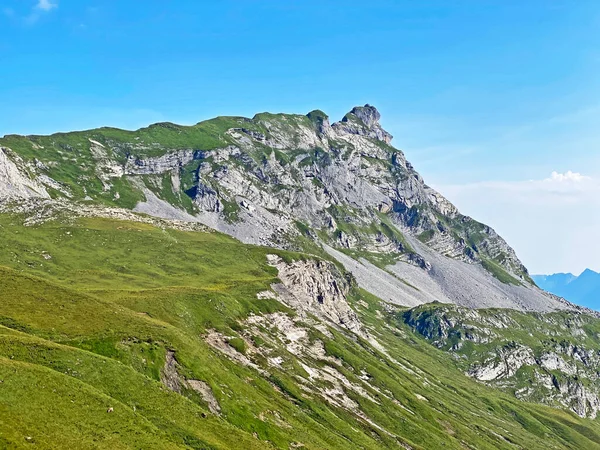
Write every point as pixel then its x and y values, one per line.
pixel 299 225
pixel 338 313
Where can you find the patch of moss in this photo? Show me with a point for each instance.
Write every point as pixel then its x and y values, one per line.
pixel 238 344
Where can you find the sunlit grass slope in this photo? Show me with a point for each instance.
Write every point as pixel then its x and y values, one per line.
pixel 89 311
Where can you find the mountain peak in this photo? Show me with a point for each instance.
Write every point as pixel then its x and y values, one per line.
pixel 368 114
pixel 291 181
pixel 364 121
pixel 320 119
pixel 582 290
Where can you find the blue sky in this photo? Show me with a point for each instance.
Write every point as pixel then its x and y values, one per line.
pixel 487 98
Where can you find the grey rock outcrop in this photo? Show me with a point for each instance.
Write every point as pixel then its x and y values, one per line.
pixel 316 287
pixel 160 164
pixel 504 364
pixel 539 357
pixel 366 125
pixel 14 183
pixel 206 198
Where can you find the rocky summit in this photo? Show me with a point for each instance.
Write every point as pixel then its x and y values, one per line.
pixel 279 281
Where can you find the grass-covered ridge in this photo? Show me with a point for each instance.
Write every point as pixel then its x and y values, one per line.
pixel 89 312
pixel 68 158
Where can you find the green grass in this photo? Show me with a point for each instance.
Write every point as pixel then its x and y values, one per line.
pixel 238 344
pixel 231 210
pixel 497 271
pixel 426 236
pixel 70 161
pixel 89 328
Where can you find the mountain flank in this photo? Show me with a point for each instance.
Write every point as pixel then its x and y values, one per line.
pixel 279 282
pixel 288 181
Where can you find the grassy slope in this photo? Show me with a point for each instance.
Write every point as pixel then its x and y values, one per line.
pixel 70 161
pixel 89 328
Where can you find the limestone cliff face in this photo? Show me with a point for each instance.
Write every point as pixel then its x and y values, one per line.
pixel 321 174
pixel 14 182
pixel 316 287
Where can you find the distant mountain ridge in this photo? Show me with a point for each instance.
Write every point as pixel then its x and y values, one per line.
pixel 583 290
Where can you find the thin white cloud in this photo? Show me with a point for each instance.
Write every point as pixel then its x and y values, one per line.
pixel 46 5
pixel 41 8
pixel 567 177
pixel 557 183
pixel 551 222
